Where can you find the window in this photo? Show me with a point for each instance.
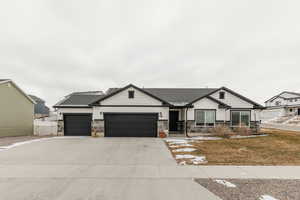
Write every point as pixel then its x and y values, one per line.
pixel 222 95
pixel 240 118
pixel 277 103
pixel 291 110
pixel 205 117
pixel 131 94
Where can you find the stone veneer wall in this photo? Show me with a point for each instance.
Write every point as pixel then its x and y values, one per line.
pixel 163 125
pixel 98 128
pixel 254 126
pixel 60 127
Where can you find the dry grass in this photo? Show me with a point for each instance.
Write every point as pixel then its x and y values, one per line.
pixel 279 148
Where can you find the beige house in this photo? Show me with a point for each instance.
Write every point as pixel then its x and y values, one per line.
pixel 16 110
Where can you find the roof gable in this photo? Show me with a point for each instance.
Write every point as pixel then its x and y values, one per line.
pixel 117 91
pixel 283 96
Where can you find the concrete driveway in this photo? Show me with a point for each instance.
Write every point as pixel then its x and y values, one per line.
pixel 96 168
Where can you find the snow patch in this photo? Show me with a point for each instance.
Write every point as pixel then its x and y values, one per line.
pixel 180 145
pixel 182 163
pixel 185 150
pixel 185 156
pixel 205 138
pixel 199 160
pixel 225 183
pixel 196 160
pixel 247 136
pixel 179 141
pixel 267 197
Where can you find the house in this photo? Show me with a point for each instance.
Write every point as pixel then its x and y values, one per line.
pixel 284 104
pixel 40 108
pixel 17 110
pixel 132 111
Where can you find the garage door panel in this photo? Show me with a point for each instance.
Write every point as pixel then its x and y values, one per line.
pixel 77 125
pixel 130 125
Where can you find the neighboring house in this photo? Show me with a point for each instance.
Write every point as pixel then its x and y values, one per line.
pixel 144 112
pixel 283 104
pixel 40 109
pixel 16 110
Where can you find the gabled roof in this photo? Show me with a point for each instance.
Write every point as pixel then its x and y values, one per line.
pixel 179 96
pixel 115 91
pixel 79 99
pixel 279 95
pixel 256 105
pixel 2 81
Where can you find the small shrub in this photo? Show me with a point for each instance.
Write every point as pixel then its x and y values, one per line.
pixel 243 130
pixel 222 131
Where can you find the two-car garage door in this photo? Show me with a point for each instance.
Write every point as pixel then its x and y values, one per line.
pixel 116 124
pixel 130 124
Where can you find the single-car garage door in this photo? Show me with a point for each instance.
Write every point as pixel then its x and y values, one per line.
pixel 77 124
pixel 130 124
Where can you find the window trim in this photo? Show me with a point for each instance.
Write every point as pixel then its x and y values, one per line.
pixel 195 113
pixel 221 94
pixel 240 124
pixel 130 94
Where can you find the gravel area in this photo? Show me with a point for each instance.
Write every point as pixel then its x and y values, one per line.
pixel 253 189
pixel 5 141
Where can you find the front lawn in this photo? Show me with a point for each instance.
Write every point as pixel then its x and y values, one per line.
pixel 278 148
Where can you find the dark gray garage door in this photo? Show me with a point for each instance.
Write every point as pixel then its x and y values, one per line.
pixel 130 125
pixel 77 124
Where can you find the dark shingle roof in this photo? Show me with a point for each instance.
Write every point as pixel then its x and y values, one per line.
pixel 36 99
pixel 175 95
pixel 180 95
pixel 80 99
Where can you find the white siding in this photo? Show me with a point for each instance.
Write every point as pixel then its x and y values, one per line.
pixel 232 100
pixel 98 111
pixel 273 102
pixel 60 111
pixel 206 103
pixel 140 98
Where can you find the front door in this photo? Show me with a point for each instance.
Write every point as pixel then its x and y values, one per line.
pixel 298 111
pixel 173 120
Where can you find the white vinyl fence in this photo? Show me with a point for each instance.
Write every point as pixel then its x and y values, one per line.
pixel 42 128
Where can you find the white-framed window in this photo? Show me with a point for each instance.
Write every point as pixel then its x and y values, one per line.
pixel 205 118
pixel 240 118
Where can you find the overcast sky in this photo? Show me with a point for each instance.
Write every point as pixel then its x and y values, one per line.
pixel 54 47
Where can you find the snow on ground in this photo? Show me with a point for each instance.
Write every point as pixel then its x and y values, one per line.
pixel 199 160
pixel 246 136
pixel 204 138
pixel 180 145
pixel 225 183
pixel 185 150
pixel 267 197
pixel 185 156
pixel 194 159
pixel 182 163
